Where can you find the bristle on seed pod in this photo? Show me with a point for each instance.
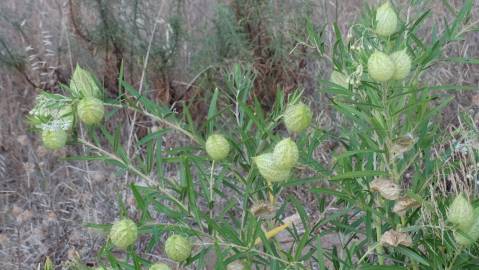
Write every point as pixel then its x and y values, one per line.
pixel 123 233
pixel 54 139
pixel 461 212
pixel 386 20
pixel 380 67
pixel 90 110
pixel 286 153
pixel 297 117
pixel 178 248
pixel 217 147
pixel 402 64
pixel 268 168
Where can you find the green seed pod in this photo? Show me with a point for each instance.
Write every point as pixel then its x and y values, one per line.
pixel 380 67
pixel 217 147
pixel 270 170
pixel 297 117
pixel 386 20
pixel 123 233
pixel 159 266
pixel 402 63
pixel 54 139
pixel 339 79
pixel 90 110
pixel 178 248
pixel 286 154
pixel 461 213
pixel 469 236
pixel 83 84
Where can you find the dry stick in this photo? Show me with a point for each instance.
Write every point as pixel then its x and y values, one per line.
pixel 140 89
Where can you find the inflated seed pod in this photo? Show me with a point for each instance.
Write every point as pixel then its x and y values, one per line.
pixel 469 236
pixel 402 64
pixel 217 147
pixel 386 20
pixel 339 79
pixel 461 212
pixel 268 168
pixel 83 83
pixel 123 233
pixel 286 153
pixel 159 266
pixel 297 117
pixel 380 67
pixel 178 248
pixel 54 139
pixel 90 110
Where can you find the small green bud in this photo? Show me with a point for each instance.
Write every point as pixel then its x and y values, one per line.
pixel 461 213
pixel 159 266
pixel 268 168
pixel 178 248
pixel 83 84
pixel 380 67
pixel 286 153
pixel 402 63
pixel 297 117
pixel 386 20
pixel 54 139
pixel 123 233
pixel 339 79
pixel 217 147
pixel 90 110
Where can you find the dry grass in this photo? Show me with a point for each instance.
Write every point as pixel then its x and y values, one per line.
pixel 45 201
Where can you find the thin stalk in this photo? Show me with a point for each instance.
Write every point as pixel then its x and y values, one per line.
pixel 379 247
pixel 211 188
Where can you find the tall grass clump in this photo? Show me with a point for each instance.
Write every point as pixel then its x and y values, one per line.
pixel 219 196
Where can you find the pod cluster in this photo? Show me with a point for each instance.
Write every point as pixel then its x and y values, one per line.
pixel 54 115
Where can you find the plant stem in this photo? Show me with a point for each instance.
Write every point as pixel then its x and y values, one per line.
pixel 211 188
pixel 379 234
pixel 272 199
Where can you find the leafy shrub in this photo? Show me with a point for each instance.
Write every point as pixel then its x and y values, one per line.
pixel 389 183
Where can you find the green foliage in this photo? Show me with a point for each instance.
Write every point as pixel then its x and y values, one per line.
pixel 230 207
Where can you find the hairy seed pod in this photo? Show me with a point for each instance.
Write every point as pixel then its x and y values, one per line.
pixel 461 213
pixel 394 238
pixel 380 67
pixel 83 84
pixel 54 139
pixel 286 153
pixel 178 248
pixel 90 110
pixel 159 266
pixel 217 147
pixel 123 233
pixel 339 79
pixel 386 20
pixel 236 265
pixel 386 188
pixel 269 169
pixel 467 237
pixel 402 64
pixel 297 117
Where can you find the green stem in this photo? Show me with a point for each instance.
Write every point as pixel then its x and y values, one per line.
pixel 379 247
pixel 211 188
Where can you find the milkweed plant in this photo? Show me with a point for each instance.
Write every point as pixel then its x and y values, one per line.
pixel 386 195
